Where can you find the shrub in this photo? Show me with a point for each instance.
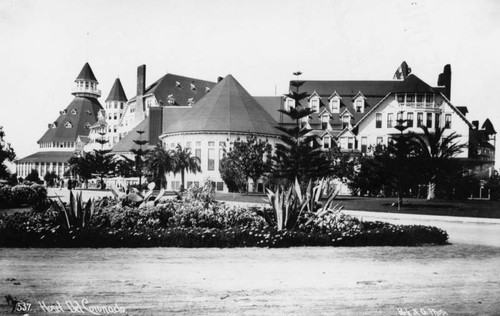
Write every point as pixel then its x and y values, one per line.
pixel 23 195
pixel 41 192
pixel 6 198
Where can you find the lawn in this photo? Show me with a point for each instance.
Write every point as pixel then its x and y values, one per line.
pixel 468 208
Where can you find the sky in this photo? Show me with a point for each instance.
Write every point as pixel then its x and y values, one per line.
pixel 44 44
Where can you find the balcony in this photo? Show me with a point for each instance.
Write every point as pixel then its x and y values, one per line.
pixel 83 90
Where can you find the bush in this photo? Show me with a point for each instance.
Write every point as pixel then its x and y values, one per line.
pixel 23 195
pixel 6 199
pixel 41 192
pixel 191 224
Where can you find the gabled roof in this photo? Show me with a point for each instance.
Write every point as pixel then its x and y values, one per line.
pixel 314 94
pixel 344 112
pixel 460 114
pixel 127 142
pixel 334 94
pixel 488 127
pixel 359 94
pixel 182 92
pixel 325 111
pixel 48 156
pixel 86 109
pixel 345 131
pixel 117 93
pixel 86 74
pixel 228 108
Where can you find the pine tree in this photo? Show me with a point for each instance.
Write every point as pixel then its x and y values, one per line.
pixel 139 154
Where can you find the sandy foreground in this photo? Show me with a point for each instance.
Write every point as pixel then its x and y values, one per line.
pixel 456 279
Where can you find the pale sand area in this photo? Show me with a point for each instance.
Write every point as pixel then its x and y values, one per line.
pixel 458 279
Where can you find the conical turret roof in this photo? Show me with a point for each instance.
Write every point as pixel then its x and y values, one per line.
pixel 117 93
pixel 228 108
pixel 86 73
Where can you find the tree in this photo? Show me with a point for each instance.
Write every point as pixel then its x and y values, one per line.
pixel 250 159
pixel 50 178
pixel 33 176
pixel 139 153
pixel 159 162
pixel 125 167
pixel 6 154
pixel 437 151
pixel 300 156
pixel 183 161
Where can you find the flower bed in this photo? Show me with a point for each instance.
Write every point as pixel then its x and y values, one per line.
pixel 198 224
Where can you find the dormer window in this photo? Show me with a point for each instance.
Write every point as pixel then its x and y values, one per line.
pixel 207 89
pixel 88 112
pixel 327 142
pixel 289 104
pixel 359 103
pixel 325 119
pixel 334 102
pixel 178 84
pixel 87 125
pixel 171 99
pixel 191 101
pixel 73 112
pixel 314 101
pixel 304 122
pixel 63 112
pixel 193 87
pixel 346 120
pixel 68 124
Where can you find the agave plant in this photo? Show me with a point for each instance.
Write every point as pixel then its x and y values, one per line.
pixel 76 214
pixel 289 204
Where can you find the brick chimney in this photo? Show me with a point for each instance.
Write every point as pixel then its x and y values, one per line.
pixel 444 79
pixel 141 80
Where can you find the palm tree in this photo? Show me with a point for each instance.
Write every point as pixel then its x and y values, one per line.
pixel 160 162
pixel 437 151
pixel 183 161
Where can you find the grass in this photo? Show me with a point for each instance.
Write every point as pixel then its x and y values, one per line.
pixel 468 208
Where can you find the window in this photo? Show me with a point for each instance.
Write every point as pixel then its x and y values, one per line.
pixel 220 186
pixel 189 144
pixel 420 99
pixel 197 153
pixel 73 112
pixel 363 144
pixel 324 121
pixel 389 119
pixel 429 120
pixel 304 121
pixel 211 159
pixel 429 99
pixel 115 116
pixel 438 120
pixel 401 99
pixel 315 105
pixel 410 98
pixel 121 105
pixel 399 117
pixel 420 119
pixel 211 144
pixel 68 125
pixel 346 120
pixel 409 119
pixel 335 105
pixel 359 105
pixel 447 121
pixel 222 144
pixel 176 185
pixel 326 142
pixel 378 120
pixel 289 104
pixel 380 140
pixel 350 143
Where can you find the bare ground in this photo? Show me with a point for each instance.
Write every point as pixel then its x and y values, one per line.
pixel 457 279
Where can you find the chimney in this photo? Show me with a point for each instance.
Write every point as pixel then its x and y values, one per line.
pixel 219 79
pixel 444 79
pixel 476 124
pixel 141 80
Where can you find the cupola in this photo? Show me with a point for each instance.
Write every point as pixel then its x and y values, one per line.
pixel 86 83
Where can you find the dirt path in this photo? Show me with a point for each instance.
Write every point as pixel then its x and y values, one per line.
pixel 458 279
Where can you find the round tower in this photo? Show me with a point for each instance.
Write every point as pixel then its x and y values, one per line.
pixel 86 84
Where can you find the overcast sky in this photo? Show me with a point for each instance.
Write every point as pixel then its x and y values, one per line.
pixel 44 44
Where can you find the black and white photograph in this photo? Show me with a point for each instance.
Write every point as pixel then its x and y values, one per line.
pixel 266 157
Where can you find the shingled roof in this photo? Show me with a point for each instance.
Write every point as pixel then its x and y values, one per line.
pixel 117 93
pixel 181 88
pixel 80 113
pixel 228 108
pixel 48 156
pixel 86 74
